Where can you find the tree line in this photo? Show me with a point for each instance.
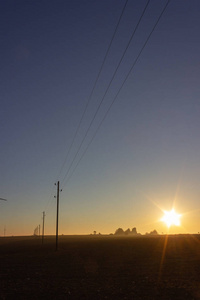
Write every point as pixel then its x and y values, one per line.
pixel 133 231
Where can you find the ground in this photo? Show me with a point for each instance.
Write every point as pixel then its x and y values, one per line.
pixel 100 267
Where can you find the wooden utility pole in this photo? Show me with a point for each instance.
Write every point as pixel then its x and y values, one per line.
pixel 2 199
pixel 58 190
pixel 43 227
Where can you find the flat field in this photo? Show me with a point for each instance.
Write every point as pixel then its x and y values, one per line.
pixel 100 267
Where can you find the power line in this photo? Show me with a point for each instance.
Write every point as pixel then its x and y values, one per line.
pixel 50 198
pixel 93 88
pixel 57 214
pixel 128 74
pixel 3 199
pixel 43 217
pixel 105 93
pixel 89 99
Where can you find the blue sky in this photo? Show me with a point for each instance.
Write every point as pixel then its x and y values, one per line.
pixel 144 158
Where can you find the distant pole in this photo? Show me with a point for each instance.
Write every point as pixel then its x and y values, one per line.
pixel 2 199
pixel 57 215
pixel 39 229
pixel 43 227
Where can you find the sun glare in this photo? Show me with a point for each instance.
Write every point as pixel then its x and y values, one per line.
pixel 171 218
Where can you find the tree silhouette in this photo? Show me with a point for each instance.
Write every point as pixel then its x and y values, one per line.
pixel 127 231
pixel 134 230
pixel 119 231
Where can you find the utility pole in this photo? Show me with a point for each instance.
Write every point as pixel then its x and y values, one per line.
pixel 39 229
pixel 2 199
pixel 58 190
pixel 43 227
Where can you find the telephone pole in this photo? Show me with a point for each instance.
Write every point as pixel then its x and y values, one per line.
pixel 58 190
pixel 43 227
pixel 2 199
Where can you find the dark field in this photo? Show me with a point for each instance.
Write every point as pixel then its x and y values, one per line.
pixel 103 267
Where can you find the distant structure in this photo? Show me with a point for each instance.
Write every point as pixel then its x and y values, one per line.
pixel 36 231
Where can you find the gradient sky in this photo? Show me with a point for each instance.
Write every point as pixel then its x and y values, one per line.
pixel 146 156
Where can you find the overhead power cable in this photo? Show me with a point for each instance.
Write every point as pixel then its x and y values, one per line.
pixel 93 88
pixel 128 74
pixel 112 78
pixel 50 199
pixel 88 101
pixel 3 199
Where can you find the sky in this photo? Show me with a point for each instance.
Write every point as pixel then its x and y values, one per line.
pixel 139 160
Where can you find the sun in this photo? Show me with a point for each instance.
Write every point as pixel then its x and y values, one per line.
pixel 171 218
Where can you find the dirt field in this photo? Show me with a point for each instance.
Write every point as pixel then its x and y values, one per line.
pixel 102 267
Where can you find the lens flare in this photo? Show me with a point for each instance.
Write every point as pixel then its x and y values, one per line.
pixel 171 218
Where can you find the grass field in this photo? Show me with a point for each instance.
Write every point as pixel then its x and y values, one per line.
pixel 101 267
